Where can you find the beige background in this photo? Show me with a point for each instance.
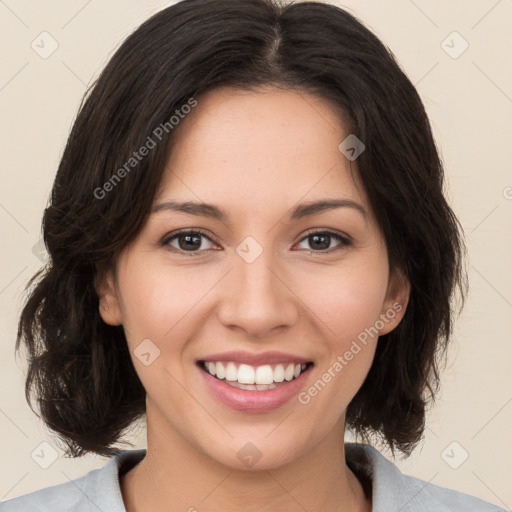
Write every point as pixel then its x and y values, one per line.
pixel 469 100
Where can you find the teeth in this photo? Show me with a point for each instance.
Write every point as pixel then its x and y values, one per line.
pixel 259 377
pixel 252 387
pixel 246 374
pixel 289 371
pixel 264 375
pixel 279 373
pixel 231 372
pixel 220 371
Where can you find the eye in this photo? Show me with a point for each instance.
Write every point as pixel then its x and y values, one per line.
pixel 192 242
pixel 320 241
pixel 187 241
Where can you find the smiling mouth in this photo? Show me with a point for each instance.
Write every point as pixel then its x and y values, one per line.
pixel 254 378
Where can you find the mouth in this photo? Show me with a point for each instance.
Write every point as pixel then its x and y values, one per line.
pixel 252 382
pixel 248 377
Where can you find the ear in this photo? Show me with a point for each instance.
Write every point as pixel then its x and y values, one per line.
pixel 108 296
pixel 395 303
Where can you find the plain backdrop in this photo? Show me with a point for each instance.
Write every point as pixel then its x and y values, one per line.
pixel 457 53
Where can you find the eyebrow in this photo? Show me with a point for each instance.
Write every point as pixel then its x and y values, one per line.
pixel 300 211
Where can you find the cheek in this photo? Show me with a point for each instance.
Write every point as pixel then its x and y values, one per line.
pixel 347 303
pixel 348 299
pixel 160 304
pixel 156 300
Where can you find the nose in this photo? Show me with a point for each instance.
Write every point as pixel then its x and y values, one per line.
pixel 258 298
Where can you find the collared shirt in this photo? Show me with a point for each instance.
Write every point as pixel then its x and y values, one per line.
pixel 392 491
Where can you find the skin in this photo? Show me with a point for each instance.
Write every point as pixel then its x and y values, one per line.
pixel 255 155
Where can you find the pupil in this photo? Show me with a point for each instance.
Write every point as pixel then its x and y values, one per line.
pixel 316 238
pixel 190 238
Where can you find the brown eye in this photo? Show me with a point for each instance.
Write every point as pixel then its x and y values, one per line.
pixel 320 241
pixel 187 241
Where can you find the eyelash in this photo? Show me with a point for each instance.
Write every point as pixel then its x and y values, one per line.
pixel 344 241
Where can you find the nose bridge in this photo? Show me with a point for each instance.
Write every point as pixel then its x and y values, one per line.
pixel 258 279
pixel 259 301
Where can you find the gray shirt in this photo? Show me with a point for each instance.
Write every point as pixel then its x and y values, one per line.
pixel 392 491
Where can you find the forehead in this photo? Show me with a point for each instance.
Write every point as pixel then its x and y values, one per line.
pixel 260 148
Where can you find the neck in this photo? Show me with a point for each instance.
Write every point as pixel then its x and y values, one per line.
pixel 176 474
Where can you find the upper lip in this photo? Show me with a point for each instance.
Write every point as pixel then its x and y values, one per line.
pixel 255 359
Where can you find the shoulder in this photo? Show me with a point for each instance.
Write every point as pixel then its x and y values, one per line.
pixel 60 498
pixel 451 500
pixel 97 490
pixel 392 491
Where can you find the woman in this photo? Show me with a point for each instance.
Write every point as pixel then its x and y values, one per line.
pixel 250 246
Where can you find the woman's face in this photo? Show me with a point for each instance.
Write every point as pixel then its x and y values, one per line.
pixel 258 291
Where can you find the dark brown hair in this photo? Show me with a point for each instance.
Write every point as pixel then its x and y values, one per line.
pixel 80 371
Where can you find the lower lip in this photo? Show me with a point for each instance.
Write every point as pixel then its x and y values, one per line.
pixel 254 401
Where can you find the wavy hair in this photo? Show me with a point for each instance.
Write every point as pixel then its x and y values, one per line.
pixel 79 368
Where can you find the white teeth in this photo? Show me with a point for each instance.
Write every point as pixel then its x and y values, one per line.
pixel 259 377
pixel 279 373
pixel 252 387
pixel 231 372
pixel 264 375
pixel 220 371
pixel 246 374
pixel 288 373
